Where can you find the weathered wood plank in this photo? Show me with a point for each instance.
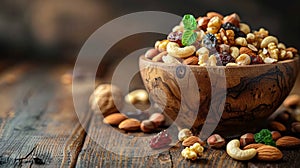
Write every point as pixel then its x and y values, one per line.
pixel 38 114
pixel 94 154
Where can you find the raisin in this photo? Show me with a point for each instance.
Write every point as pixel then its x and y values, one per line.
pixel 256 59
pixel 225 58
pixel 175 37
pixel 237 31
pixel 209 41
pixel 162 139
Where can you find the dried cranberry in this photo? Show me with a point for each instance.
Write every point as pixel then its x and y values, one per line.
pixel 175 37
pixel 255 59
pixel 225 58
pixel 161 140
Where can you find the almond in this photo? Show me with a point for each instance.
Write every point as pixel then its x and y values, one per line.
pixel 213 14
pixel 246 50
pixel 130 124
pixel 191 141
pixel 202 22
pixel 193 60
pixel 254 145
pixel 277 126
pixel 268 153
pixel 233 18
pixel 114 119
pixel 287 141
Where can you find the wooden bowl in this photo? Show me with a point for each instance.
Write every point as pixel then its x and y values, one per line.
pixel 243 96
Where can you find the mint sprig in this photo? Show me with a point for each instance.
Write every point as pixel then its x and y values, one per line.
pixel 189 35
pixel 264 136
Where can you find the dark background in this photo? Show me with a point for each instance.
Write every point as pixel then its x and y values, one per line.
pixel 55 30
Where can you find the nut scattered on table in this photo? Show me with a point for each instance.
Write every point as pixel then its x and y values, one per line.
pixel 157 118
pixel 104 99
pixel 247 139
pixel 193 151
pixel 184 133
pixel 130 124
pixel 234 151
pixel 216 141
pixel 287 142
pixel 268 153
pixel 191 141
pixel 114 119
pixel 135 96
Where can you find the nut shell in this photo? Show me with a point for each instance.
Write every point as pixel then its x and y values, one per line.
pixel 104 99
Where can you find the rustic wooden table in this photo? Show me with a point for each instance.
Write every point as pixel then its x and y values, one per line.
pixel 39 128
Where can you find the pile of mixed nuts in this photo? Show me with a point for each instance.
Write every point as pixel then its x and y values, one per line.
pixel 215 39
pixel 283 130
pixel 104 100
pixel 282 133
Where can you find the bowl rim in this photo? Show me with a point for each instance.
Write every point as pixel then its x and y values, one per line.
pixel 295 59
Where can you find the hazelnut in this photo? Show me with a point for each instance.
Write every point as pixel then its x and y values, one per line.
pixel 157 118
pixel 216 141
pixel 296 114
pixel 247 139
pixel 148 126
pixel 275 135
pixel 184 133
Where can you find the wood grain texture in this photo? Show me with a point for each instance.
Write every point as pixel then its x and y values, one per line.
pixel 37 119
pixel 228 97
pixel 38 114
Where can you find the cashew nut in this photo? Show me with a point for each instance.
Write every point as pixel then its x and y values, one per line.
pixel 170 60
pixel 241 41
pixel 243 59
pixel 267 40
pixel 245 28
pixel 234 151
pixel 139 95
pixel 175 50
pixel 234 52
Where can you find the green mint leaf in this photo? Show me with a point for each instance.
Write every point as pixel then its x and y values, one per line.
pixel 264 136
pixel 188 37
pixel 189 22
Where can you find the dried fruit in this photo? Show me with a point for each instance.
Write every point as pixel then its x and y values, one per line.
pixel 209 41
pixel 226 58
pixel 287 141
pixel 162 139
pixel 175 37
pixel 268 153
